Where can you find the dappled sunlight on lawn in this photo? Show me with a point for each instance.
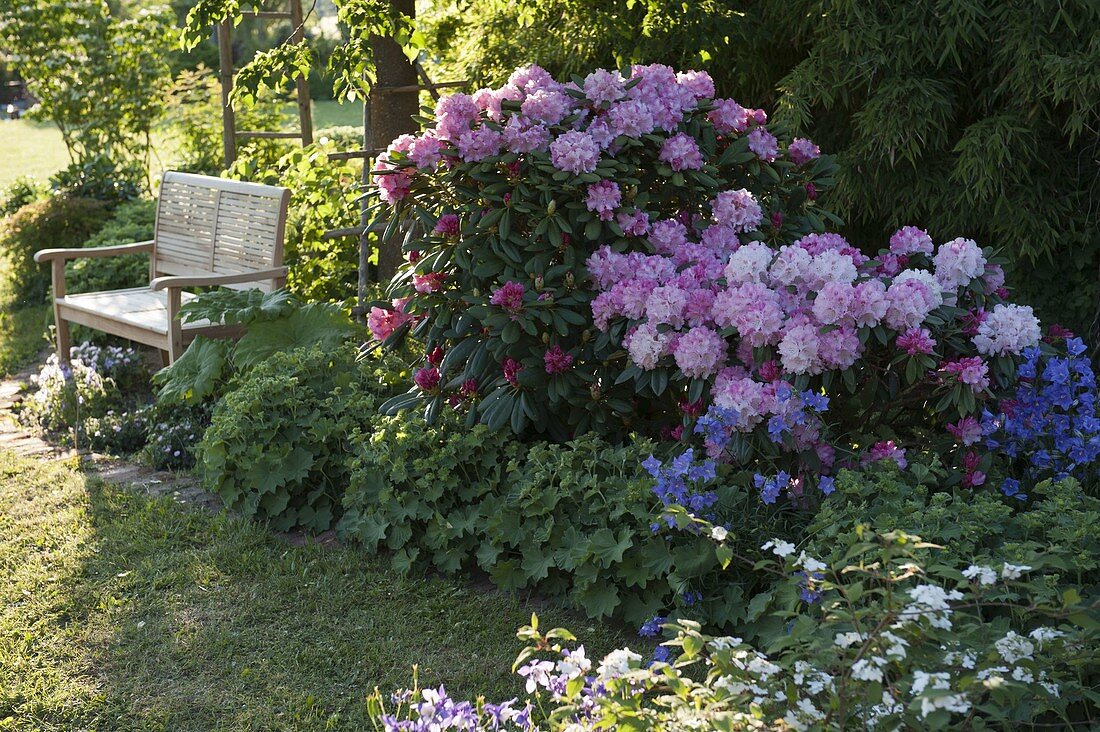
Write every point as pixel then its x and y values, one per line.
pixel 127 612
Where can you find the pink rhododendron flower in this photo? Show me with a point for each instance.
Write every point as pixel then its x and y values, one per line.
pixel 667 236
pixel 634 224
pixel 631 118
pixel 749 263
pixel 426 151
pixel 681 153
pixel 522 138
pixel 698 83
pixel 427 379
pixel 646 346
pixel 916 341
pixel 832 302
pixel 665 306
pixel 738 210
pixel 958 262
pixel 454 114
pixel 910 240
pixel 603 198
pixel 752 309
pixel 699 352
pixel 556 360
pixel 799 349
pixel 886 450
pixel 763 144
pixel 382 322
pixel 575 151
pixel 509 296
pixel 428 283
pixel 967 430
pixel 867 306
pixel 511 368
pixel 548 106
pixel 729 116
pixel 840 348
pixel 447 225
pixel 479 143
pixel 972 371
pixel 603 86
pixel 802 151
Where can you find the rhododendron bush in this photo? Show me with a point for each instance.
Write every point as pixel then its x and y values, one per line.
pixel 515 202
pixel 630 254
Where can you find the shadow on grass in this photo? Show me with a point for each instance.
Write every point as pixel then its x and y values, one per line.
pixel 155 616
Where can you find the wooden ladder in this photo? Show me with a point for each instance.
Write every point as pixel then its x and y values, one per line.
pixel 301 85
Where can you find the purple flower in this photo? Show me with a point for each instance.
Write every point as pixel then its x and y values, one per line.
pixel 509 296
pixel 575 152
pixel 603 198
pixel 763 144
pixel 802 151
pixel 681 153
pixel 556 360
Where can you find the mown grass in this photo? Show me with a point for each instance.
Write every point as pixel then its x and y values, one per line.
pixel 124 612
pixel 32 148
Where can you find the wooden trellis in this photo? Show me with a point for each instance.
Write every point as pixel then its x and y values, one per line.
pixel 366 153
pixel 230 134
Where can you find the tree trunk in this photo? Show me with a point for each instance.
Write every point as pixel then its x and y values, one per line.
pixel 391 113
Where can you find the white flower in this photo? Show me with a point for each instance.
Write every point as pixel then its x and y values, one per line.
pixel 844 640
pixel 896 647
pixel 984 575
pixel 617 663
pixel 779 547
pixel 868 669
pixel 719 533
pixel 725 642
pixel 922 679
pixel 1014 647
pixel 1043 634
pixel 1022 674
pixel 810 564
pixel 931 602
pixel 813 680
pixel 574 663
pixel 1014 571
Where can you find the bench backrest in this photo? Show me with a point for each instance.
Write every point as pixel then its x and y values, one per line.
pixel 216 226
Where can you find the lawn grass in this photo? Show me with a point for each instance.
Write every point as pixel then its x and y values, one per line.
pixel 124 612
pixel 35 148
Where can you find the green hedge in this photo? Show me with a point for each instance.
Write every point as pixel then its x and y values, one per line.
pixel 131 222
pixel 52 222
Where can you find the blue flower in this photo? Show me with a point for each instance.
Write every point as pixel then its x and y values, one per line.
pixel 827 484
pixel 661 654
pixel 652 466
pixel 1075 346
pixel 652 627
pixel 776 427
pixel 815 401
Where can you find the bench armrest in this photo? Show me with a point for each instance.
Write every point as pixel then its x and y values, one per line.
pixel 47 255
pixel 161 283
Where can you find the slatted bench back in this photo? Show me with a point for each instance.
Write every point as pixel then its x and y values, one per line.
pixel 216 226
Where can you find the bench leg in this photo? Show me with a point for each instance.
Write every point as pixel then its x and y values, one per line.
pixel 175 328
pixel 63 340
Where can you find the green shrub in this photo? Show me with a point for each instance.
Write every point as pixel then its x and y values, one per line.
pixel 101 178
pixel 274 322
pixel 277 447
pixel 324 196
pixel 1057 527
pixel 574 520
pixel 57 221
pixel 131 222
pixel 19 193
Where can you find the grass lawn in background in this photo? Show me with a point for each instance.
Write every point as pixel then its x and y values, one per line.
pixel 35 148
pixel 124 612
pixel 29 148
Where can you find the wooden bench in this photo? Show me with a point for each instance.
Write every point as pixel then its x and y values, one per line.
pixel 209 232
